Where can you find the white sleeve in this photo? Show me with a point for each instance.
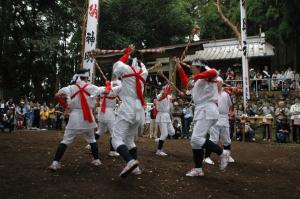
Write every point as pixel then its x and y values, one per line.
pixel 145 72
pixel 117 89
pixel 119 68
pixel 97 91
pixel 65 90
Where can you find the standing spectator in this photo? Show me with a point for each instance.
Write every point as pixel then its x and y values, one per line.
pixel 187 120
pixel 2 107
pixel 52 116
pixel 231 116
pixel 267 111
pixel 266 78
pixel 29 114
pixel 10 104
pixel 20 115
pixel 153 125
pixel 289 75
pixel 44 114
pixel 59 113
pixel 295 117
pixel 36 117
pixel 230 74
pixel 258 78
pixel 274 82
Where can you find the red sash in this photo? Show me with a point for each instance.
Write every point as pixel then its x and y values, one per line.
pixel 87 115
pixel 103 105
pixel 138 85
pixel 166 92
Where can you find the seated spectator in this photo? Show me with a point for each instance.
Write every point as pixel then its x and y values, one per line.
pixel 249 132
pixel 282 131
pixel 8 121
pixel 249 111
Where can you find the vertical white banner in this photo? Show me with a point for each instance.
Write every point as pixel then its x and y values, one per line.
pixel 91 34
pixel 246 91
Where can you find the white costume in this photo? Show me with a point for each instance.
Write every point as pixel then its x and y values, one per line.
pixel 131 114
pixel 107 118
pixel 77 124
pixel 205 97
pixel 220 131
pixel 163 118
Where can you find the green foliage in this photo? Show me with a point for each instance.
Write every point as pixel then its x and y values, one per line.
pixel 38 35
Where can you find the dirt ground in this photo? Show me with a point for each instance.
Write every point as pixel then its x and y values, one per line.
pixel 260 170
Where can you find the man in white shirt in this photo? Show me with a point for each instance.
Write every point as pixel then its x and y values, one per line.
pixel 295 117
pixel 205 96
pixel 106 112
pixel 220 131
pixel 163 119
pixel 80 101
pixel 131 114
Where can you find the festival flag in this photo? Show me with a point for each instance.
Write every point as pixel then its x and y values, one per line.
pixel 246 91
pixel 91 35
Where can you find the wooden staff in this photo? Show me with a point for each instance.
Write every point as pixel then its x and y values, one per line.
pixel 169 82
pixel 105 51
pixel 99 68
pixel 195 30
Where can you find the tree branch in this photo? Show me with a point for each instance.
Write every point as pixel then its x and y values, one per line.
pixel 227 21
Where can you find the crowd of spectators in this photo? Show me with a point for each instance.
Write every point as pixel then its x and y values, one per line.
pixel 263 80
pixel 30 115
pixel 283 114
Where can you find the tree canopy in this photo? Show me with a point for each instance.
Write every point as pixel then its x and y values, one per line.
pixel 41 39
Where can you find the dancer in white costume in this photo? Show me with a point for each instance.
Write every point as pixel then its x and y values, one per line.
pixel 163 118
pixel 205 96
pixel 106 113
pixel 80 101
pixel 220 131
pixel 131 114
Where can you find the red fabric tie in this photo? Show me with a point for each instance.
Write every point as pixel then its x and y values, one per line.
pixel 166 92
pixel 62 101
pixel 107 89
pixel 138 85
pixel 87 115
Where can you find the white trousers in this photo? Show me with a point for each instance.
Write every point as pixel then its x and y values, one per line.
pixel 220 134
pixel 200 131
pixel 70 135
pixel 104 126
pixel 153 129
pixel 124 131
pixel 166 128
